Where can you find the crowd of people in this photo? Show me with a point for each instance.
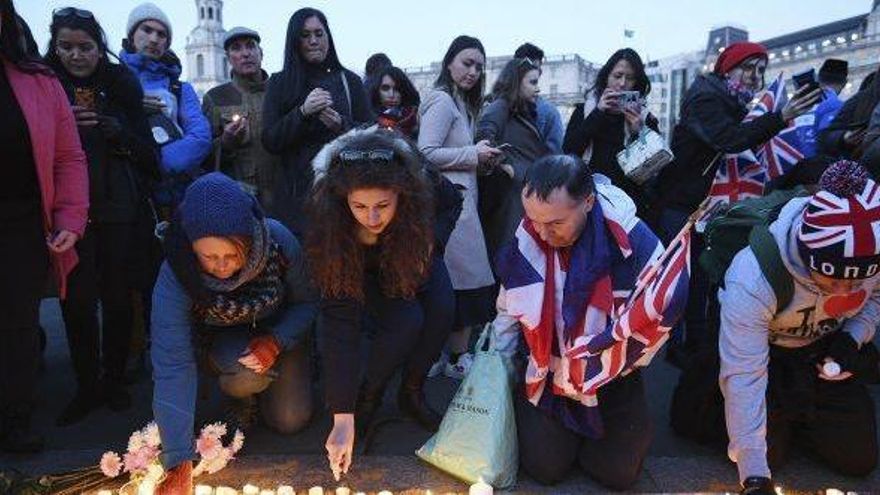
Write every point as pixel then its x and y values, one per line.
pixel 311 217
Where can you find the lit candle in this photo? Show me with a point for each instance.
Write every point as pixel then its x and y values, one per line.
pixel 285 490
pixel 236 118
pixel 832 369
pixel 480 488
pixel 267 492
pixel 146 487
pixel 105 492
pixel 833 491
pixel 204 490
pixel 225 490
pixel 342 490
pixel 250 490
pixel 385 492
pixel 316 490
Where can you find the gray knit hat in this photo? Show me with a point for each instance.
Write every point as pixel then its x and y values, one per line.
pixel 239 32
pixel 145 12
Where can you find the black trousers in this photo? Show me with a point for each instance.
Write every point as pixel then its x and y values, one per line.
pixel 24 263
pixel 410 332
pixel 833 422
pixel 548 450
pixel 103 274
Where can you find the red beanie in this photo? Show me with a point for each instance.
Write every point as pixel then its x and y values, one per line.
pixel 736 54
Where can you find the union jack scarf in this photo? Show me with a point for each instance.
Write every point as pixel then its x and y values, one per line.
pixel 593 341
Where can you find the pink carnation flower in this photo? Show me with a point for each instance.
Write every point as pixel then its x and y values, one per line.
pixel 208 446
pixel 111 464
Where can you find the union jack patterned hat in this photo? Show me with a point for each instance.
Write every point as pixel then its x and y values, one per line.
pixel 840 233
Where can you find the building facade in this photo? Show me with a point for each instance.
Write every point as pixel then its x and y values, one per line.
pixel 855 39
pixel 564 78
pixel 206 63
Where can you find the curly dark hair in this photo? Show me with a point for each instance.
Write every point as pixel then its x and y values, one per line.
pixel 334 253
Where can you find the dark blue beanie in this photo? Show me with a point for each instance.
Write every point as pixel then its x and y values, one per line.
pixel 215 206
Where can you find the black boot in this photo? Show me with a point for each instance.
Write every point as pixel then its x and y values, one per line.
pixel 241 414
pixel 369 400
pixel 411 401
pixel 84 402
pixel 18 438
pixel 116 396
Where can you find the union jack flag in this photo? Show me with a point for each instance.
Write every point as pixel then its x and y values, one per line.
pixel 739 177
pixel 782 151
pixel 745 174
pixel 642 325
pixel 852 221
pixel 605 329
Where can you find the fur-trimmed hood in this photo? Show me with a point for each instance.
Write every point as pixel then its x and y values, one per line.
pixel 402 148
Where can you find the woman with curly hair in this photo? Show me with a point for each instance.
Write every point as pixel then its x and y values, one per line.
pixel 380 220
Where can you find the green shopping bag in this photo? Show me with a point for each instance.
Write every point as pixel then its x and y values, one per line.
pixel 477 438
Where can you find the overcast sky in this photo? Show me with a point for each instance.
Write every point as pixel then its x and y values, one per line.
pixel 414 33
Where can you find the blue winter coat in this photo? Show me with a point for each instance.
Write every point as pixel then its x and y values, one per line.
pixel 549 124
pixel 185 155
pixel 175 375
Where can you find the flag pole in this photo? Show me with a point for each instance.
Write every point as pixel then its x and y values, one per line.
pixel 692 219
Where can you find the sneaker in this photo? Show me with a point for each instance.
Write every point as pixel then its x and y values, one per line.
pixel 460 368
pixel 439 366
pixel 118 399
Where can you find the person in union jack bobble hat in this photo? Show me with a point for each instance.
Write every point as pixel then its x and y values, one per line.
pixel 799 369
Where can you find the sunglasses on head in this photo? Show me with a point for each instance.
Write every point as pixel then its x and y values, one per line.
pixel 73 11
pixel 527 60
pixel 379 155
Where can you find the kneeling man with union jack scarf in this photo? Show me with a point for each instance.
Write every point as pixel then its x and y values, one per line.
pixel 567 287
pixel 797 371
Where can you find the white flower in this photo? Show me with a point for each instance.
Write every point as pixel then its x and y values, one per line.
pixel 214 430
pixel 237 441
pixel 151 435
pixel 136 441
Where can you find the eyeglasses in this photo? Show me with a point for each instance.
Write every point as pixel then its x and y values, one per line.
pixel 72 11
pixel 380 155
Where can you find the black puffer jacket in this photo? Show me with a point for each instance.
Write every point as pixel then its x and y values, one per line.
pixel 123 159
pixel 710 123
pixel 605 131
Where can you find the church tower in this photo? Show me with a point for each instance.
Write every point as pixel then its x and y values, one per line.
pixel 206 64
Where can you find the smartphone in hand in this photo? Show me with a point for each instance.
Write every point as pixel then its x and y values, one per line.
pixel 807 78
pixel 630 100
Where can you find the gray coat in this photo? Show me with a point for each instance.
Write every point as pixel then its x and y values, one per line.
pixel 446 137
pixel 501 207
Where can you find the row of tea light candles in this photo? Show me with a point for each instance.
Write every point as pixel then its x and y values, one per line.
pixel 478 488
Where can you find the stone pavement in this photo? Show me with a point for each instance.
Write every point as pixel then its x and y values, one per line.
pixel 268 459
